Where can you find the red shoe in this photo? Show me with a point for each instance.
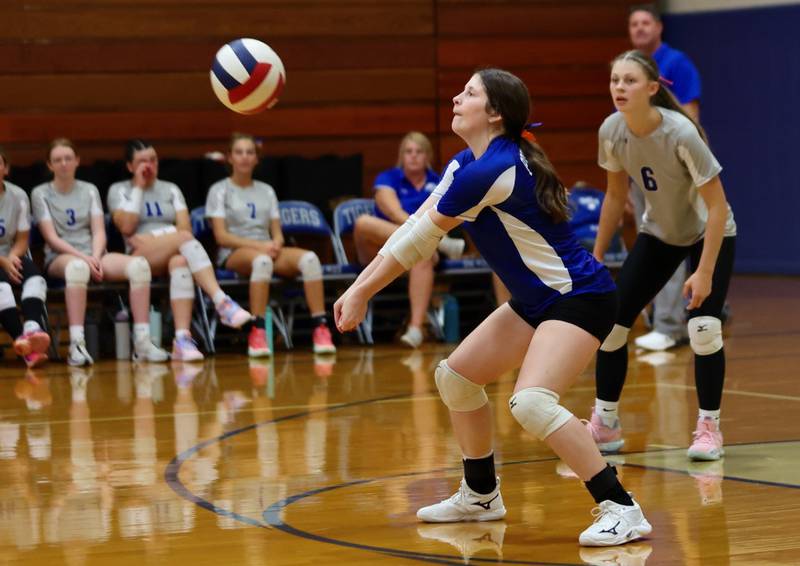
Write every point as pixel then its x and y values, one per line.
pixel 36 341
pixel 257 346
pixel 323 343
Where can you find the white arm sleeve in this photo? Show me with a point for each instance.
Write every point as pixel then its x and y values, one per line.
pixel 419 243
pixel 404 228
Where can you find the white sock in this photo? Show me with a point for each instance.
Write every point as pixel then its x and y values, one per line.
pixel 218 297
pixel 76 333
pixel 607 411
pixel 183 333
pixel 31 326
pixel 141 333
pixel 710 415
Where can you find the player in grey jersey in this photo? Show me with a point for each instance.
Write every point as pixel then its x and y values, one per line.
pixel 247 226
pixel 16 267
pixel 70 217
pixel 152 216
pixel 654 141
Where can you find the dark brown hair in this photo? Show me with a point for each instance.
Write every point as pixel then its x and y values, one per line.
pixel 508 96
pixel 4 156
pixel 649 8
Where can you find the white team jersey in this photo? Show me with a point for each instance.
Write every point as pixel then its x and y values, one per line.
pixel 668 165
pixel 160 204
pixel 71 214
pixel 247 211
pixel 14 215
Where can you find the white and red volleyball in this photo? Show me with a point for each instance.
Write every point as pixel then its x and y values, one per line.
pixel 247 76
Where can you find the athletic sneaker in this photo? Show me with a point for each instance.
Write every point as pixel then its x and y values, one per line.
pixel 37 341
pixel 323 343
pixel 184 349
pixel 466 505
pixel 707 443
pixel 657 341
pixel 615 524
pixel 452 247
pixel 412 338
pixel 608 439
pixel 231 314
pixel 35 359
pixel 468 538
pixel 149 352
pixel 257 346
pixel 635 554
pixel 79 355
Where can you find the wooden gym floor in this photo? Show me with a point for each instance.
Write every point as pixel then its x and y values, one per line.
pixel 307 461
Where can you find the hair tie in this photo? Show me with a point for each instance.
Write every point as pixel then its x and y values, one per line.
pixel 526 131
pixel 664 81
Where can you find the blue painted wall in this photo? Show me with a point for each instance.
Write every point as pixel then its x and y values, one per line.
pixel 749 61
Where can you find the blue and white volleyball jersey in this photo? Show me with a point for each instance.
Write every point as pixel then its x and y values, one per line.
pixel 539 260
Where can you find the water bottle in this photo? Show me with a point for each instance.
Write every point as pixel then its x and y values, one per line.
pixel 122 335
pixel 155 326
pixel 452 330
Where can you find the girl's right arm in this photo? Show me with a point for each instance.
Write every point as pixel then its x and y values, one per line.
pixel 611 212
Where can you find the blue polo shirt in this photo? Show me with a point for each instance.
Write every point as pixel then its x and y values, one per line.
pixel 410 198
pixel 676 66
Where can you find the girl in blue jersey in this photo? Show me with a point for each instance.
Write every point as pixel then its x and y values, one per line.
pixel 563 305
pixel 399 192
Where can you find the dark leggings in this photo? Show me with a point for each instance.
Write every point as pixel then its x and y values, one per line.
pixel 32 308
pixel 647 268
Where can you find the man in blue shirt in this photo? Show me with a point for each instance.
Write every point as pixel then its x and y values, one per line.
pixel 645 28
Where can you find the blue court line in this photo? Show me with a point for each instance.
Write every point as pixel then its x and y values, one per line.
pixel 271 514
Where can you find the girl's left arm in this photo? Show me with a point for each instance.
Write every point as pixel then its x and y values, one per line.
pixel 698 285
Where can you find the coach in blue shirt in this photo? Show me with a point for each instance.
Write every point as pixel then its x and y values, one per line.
pixel 645 27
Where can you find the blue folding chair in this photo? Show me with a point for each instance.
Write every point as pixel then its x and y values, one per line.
pixel 585 204
pixel 208 319
pixel 344 220
pixel 300 218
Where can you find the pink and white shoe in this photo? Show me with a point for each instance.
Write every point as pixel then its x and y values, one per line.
pixel 323 343
pixel 257 346
pixel 231 314
pixel 707 443
pixel 184 349
pixel 37 341
pixel 35 359
pixel 608 439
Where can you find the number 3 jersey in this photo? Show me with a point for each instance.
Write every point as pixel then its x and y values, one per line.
pixel 159 204
pixel 539 260
pixel 14 215
pixel 668 165
pixel 71 214
pixel 247 211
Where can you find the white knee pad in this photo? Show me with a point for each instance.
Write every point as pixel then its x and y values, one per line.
pixel 77 273
pixel 195 255
pixel 458 392
pixel 262 268
pixel 6 297
pixel 181 284
pixel 538 411
pixel 310 267
pixel 35 288
pixel 138 272
pixel 616 339
pixel 705 335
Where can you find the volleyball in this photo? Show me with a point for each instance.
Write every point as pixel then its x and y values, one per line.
pixel 247 76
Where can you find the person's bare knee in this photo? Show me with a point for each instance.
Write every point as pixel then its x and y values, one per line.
pixel 177 261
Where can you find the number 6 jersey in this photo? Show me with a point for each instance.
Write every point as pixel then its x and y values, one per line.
pixel 71 214
pixel 668 165
pixel 14 215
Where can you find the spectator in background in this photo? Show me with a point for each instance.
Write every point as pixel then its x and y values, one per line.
pixel 645 28
pixel 399 191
